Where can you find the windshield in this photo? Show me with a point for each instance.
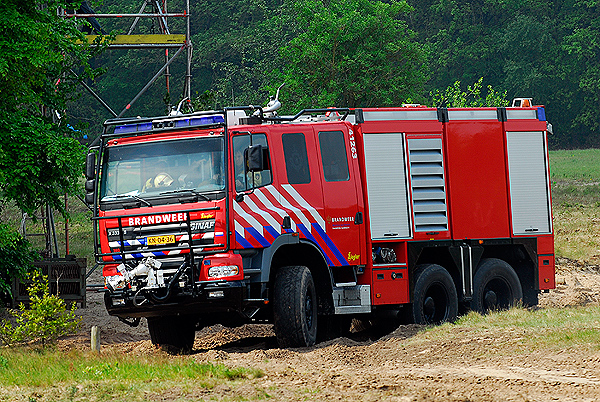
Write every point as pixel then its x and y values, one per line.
pixel 152 169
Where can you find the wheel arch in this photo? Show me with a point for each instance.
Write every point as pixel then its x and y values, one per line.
pixel 295 251
pixel 522 257
pixel 439 255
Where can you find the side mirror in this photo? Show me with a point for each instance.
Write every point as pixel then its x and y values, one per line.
pixel 89 198
pixel 90 166
pixel 253 156
pixel 90 186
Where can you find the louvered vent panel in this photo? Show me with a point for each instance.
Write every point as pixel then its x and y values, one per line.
pixel 428 188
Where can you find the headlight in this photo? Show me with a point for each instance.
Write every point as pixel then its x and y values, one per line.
pixel 223 271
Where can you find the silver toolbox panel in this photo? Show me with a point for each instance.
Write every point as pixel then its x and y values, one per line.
pixel 530 202
pixel 386 185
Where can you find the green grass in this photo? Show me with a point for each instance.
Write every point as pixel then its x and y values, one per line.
pixel 551 329
pixel 580 164
pixel 575 176
pixel 56 375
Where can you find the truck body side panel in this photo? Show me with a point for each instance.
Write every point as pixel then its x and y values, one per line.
pixel 476 166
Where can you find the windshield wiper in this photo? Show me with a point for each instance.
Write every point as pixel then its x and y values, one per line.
pixel 186 190
pixel 135 197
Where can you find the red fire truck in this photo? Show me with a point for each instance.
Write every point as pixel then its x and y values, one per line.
pixel 242 216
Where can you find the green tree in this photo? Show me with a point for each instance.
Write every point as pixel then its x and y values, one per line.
pixel 40 158
pixel 352 53
pixel 582 46
pixel 454 96
pixel 15 258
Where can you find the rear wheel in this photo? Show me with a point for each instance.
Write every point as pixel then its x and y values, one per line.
pixel 496 286
pixel 434 298
pixel 175 334
pixel 295 307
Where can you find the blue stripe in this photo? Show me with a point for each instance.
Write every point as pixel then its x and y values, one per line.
pixel 242 241
pixel 309 236
pixel 271 231
pixel 254 233
pixel 330 244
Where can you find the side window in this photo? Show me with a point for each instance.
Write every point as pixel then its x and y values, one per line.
pixel 296 158
pixel 246 180
pixel 333 156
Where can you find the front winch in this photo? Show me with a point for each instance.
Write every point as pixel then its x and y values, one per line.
pixel 149 267
pixel 146 280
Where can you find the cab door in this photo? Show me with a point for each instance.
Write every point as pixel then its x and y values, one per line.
pixel 340 181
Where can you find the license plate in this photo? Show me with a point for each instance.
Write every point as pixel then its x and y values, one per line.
pixel 160 240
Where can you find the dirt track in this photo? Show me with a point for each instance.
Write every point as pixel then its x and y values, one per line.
pixel 463 367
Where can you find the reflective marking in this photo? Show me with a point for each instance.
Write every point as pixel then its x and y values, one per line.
pixel 286 204
pixel 271 231
pixel 473 114
pixel 242 241
pixel 247 217
pixel 309 236
pixel 239 228
pixel 265 215
pixel 269 205
pixel 259 237
pixel 303 203
pixel 400 115
pixel 521 114
pixel 331 246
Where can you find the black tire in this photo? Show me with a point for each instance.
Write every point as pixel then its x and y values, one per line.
pixel 295 307
pixel 496 286
pixel 332 326
pixel 174 334
pixel 434 296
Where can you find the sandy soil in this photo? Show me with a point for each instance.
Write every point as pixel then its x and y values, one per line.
pixel 466 367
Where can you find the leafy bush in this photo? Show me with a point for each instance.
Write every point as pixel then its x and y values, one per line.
pixel 45 321
pixel 453 96
pixel 16 257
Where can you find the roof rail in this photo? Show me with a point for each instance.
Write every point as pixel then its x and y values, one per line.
pixel 345 110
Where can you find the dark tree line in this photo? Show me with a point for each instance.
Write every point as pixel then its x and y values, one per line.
pixel 373 53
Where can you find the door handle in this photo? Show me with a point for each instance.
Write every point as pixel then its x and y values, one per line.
pixel 358 218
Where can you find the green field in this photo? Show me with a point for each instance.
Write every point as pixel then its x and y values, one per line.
pixel 575 165
pixel 575 176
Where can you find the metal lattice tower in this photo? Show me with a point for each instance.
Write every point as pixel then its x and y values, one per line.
pixel 165 40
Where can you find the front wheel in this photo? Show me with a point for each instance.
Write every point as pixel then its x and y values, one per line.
pixel 434 297
pixel 295 307
pixel 496 286
pixel 174 334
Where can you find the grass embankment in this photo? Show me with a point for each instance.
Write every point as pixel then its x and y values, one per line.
pixel 528 331
pixel 575 176
pixel 68 376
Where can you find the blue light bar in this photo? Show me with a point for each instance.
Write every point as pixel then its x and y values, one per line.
pixel 541 114
pixel 200 121
pixel 166 123
pixel 133 128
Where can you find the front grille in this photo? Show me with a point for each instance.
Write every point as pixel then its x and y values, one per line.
pixel 136 238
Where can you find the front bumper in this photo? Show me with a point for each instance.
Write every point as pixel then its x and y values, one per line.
pixel 205 298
